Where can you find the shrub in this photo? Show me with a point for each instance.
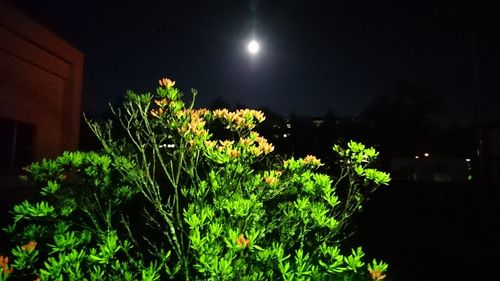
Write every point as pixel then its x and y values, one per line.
pixel 171 199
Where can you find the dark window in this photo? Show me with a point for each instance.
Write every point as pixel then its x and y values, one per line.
pixel 16 144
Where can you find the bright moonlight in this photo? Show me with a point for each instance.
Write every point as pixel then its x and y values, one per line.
pixel 253 47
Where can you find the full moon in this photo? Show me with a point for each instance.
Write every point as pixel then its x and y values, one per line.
pixel 253 47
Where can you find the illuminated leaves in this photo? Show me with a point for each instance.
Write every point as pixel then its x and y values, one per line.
pixel 218 205
pixel 377 270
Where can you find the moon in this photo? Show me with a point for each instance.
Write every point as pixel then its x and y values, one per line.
pixel 253 47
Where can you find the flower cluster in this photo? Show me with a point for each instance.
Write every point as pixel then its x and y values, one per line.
pixel 263 147
pixel 227 146
pixel 4 265
pixel 29 247
pixel 376 274
pixel 165 105
pixel 312 160
pixel 272 177
pixel 196 122
pixel 167 83
pixel 242 241
pixel 224 150
pixel 169 101
pixel 240 119
pixel 162 102
pixel 270 180
pixel 158 113
pixel 309 160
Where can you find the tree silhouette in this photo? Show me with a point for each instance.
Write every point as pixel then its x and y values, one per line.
pixel 405 120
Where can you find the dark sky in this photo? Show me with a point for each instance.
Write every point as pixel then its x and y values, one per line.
pixel 316 55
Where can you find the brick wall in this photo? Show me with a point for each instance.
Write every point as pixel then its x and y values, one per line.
pixel 40 82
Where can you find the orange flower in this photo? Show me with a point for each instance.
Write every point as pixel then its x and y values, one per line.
pixel 376 275
pixel 157 113
pixel 166 83
pixel 4 265
pixel 242 241
pixel 161 103
pixel 4 261
pixel 234 153
pixel 29 247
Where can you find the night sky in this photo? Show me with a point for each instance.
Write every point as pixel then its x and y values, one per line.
pixel 316 55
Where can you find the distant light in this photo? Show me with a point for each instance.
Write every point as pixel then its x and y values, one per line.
pixel 416 157
pixel 285 135
pixel 253 47
pixel 426 154
pixel 467 159
pixel 170 145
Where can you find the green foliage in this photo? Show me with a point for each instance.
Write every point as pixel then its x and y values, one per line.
pixel 212 208
pixel 70 234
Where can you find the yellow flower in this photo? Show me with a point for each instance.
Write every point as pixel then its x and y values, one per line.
pixel 191 144
pixel 264 146
pixel 200 113
pixel 221 113
pixel 242 241
pixel 312 160
pixel 256 151
pixel 226 143
pixel 210 144
pixel 240 121
pixel 259 116
pixel 270 180
pixel 268 148
pixel 246 142
pixel 166 83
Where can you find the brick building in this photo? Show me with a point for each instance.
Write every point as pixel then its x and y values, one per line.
pixel 40 92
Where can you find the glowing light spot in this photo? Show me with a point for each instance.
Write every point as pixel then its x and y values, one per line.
pixel 253 47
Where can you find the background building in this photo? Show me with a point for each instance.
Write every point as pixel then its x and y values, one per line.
pixel 40 92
